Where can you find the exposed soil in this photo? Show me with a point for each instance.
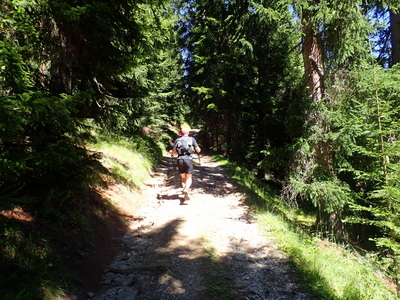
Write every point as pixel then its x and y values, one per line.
pixel 208 247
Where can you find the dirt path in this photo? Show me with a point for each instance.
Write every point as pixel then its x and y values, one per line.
pixel 210 248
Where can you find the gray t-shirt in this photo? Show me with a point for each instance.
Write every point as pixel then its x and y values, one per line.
pixel 182 142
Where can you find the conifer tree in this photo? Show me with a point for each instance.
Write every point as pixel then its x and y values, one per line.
pixel 238 52
pixel 366 136
pixel 65 61
pixel 395 31
pixel 332 33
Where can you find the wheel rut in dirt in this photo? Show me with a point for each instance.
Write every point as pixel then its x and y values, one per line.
pixel 206 248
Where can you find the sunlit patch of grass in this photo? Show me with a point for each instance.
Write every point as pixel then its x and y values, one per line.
pixel 50 291
pixel 124 164
pixel 328 270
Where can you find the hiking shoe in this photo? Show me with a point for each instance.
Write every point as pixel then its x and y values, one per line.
pixel 186 195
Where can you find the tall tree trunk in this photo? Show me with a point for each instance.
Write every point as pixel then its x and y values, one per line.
pixel 314 76
pixel 313 62
pixel 395 31
pixel 60 77
pixel 312 52
pixel 227 98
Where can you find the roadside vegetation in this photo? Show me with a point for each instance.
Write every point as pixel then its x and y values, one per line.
pixel 327 270
pixel 36 261
pixel 41 244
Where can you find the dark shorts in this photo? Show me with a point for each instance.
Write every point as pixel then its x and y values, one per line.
pixel 185 164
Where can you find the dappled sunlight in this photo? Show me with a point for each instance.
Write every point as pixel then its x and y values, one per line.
pixel 18 214
pixel 210 248
pixel 208 177
pixel 175 286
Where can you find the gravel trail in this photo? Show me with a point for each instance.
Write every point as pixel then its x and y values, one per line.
pixel 209 247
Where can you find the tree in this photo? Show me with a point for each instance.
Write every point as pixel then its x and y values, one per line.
pixel 395 31
pixel 332 33
pixel 239 72
pixel 367 151
pixel 148 94
pixel 88 56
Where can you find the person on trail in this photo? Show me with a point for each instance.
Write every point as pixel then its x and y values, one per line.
pixel 184 146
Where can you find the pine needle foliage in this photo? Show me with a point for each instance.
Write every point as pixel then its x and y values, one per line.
pixel 240 73
pixel 369 158
pixel 65 67
pixel 326 270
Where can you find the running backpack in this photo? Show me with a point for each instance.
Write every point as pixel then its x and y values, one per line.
pixel 184 145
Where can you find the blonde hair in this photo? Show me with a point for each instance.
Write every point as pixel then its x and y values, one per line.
pixel 185 128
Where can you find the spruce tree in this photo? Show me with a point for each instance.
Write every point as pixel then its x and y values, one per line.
pixel 333 37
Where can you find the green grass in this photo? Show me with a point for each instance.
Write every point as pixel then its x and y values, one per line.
pixel 30 267
pixel 326 270
pixel 124 165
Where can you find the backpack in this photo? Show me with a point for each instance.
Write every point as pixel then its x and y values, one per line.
pixel 184 145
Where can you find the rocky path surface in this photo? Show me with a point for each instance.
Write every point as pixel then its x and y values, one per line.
pixel 207 248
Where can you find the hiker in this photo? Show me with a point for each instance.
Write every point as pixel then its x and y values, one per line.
pixel 184 146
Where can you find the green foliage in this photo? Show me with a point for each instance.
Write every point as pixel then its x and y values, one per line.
pixel 337 192
pixel 29 265
pixel 325 269
pixel 240 74
pixel 39 139
pixel 93 57
pixel 151 86
pixel 56 225
pixel 328 271
pixel 368 159
pixel 15 76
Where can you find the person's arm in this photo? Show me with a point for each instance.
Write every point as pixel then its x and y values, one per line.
pixel 196 145
pixel 173 150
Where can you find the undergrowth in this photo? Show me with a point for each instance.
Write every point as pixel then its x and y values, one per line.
pixel 325 269
pixel 43 231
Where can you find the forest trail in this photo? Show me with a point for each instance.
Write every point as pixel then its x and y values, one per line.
pixel 210 248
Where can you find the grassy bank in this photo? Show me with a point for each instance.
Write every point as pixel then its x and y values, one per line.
pixel 45 233
pixel 326 270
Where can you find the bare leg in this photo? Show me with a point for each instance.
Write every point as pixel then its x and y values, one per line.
pixel 183 176
pixel 186 181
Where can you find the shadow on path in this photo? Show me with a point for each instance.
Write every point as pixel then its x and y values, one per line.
pixel 209 249
pixel 148 267
pixel 208 176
